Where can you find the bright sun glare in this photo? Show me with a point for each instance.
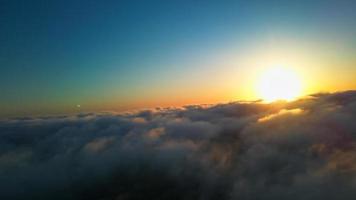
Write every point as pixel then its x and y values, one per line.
pixel 279 84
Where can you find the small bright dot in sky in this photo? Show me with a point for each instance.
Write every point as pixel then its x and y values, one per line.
pixel 78 105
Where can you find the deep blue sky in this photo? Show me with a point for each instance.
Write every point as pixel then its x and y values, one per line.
pixel 57 54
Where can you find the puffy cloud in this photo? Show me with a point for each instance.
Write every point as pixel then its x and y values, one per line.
pixel 304 149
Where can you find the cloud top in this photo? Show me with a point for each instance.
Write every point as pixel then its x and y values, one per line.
pixel 304 149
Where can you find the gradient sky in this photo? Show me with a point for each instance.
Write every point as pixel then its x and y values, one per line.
pixel 121 55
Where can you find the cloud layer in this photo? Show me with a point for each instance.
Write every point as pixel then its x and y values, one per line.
pixel 299 150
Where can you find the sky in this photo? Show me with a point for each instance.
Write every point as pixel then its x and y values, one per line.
pixel 74 56
pixel 178 99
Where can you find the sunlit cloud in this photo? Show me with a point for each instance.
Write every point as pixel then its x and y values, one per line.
pixel 281 113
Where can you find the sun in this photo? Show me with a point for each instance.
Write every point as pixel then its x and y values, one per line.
pixel 279 84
